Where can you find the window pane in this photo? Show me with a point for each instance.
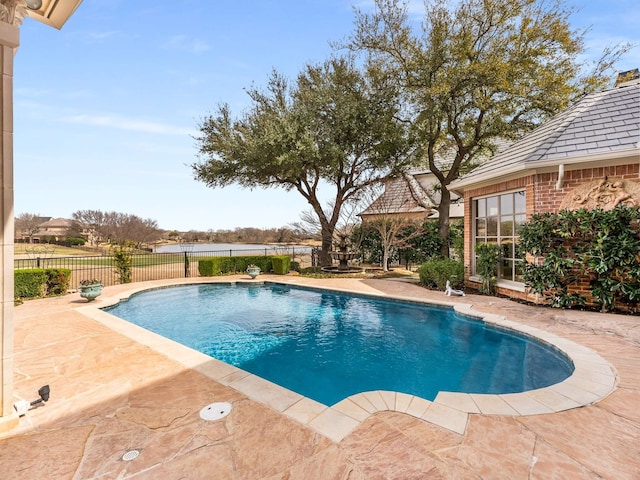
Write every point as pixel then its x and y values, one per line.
pixel 519 272
pixel 492 226
pixel 520 202
pixel 520 221
pixel 492 206
pixel 506 226
pixel 519 253
pixel 507 270
pixel 507 248
pixel 506 204
pixel 481 208
pixel 481 227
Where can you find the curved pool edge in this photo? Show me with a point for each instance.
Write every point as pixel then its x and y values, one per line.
pixel 592 380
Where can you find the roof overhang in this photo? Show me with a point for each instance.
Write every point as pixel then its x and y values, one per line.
pixel 54 12
pixel 520 170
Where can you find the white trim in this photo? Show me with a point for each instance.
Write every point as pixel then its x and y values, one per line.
pixel 512 285
pixel 474 215
pixel 508 284
pixel 531 168
pixel 588 159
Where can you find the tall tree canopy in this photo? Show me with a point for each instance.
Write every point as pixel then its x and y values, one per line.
pixel 476 73
pixel 28 224
pixel 337 126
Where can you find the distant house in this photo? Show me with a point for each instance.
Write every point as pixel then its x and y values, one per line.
pixel 55 228
pixel 48 229
pixel 586 156
pixel 415 195
pixel 411 196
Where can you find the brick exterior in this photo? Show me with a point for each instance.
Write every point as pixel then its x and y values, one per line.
pixel 541 197
pixel 548 199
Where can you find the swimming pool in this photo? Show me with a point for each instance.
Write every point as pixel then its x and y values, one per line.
pixel 328 345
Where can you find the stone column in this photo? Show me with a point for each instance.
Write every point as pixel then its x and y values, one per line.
pixel 9 40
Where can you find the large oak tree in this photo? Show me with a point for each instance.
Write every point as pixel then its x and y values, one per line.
pixel 335 127
pixel 476 72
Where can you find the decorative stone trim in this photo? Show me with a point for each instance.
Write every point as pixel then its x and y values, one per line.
pixel 592 380
pixel 12 11
pixel 603 194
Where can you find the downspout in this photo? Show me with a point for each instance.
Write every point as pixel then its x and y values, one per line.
pixel 560 182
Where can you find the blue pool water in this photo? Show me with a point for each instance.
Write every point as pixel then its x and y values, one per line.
pixel 328 346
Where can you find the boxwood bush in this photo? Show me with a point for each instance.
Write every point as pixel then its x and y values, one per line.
pixel 435 273
pixel 208 267
pixel 29 283
pixel 281 264
pixel 41 282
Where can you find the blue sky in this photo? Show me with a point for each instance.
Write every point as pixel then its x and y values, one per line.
pixel 105 108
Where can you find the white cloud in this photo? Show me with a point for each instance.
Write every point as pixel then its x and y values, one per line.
pixel 103 35
pixel 123 123
pixel 184 43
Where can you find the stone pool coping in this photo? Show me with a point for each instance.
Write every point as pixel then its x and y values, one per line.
pixel 592 380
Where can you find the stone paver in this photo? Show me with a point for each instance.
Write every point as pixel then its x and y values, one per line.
pixel 111 394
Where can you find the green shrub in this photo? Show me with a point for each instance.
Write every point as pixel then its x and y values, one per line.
pixel 436 272
pixel 208 267
pixel 74 241
pixel 58 280
pixel 123 258
pixel 239 264
pixel 570 248
pixel 30 283
pixel 488 257
pixel 281 264
pixel 295 266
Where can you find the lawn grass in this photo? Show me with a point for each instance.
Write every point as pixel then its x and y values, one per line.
pixel 35 250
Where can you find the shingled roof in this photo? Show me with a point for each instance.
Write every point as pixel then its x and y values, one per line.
pixel 603 125
pixel 397 198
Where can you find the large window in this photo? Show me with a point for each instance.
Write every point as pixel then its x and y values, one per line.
pixel 499 220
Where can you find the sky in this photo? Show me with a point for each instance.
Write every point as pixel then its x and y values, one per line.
pixel 105 109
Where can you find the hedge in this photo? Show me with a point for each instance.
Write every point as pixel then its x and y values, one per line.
pixel 40 282
pixel 279 264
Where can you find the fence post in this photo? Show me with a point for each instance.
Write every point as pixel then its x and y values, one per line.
pixel 37 262
pixel 186 265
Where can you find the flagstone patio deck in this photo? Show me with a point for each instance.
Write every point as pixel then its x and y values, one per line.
pixel 111 394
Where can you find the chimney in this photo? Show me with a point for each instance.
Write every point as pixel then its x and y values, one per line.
pixel 630 77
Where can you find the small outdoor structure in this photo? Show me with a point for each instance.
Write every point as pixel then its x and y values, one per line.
pixel 344 256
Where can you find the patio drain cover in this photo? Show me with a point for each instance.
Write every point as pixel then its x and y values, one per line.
pixel 130 455
pixel 215 411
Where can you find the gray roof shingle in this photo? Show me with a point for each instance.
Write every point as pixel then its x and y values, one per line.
pixel 600 123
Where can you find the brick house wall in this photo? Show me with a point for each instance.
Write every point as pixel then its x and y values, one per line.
pixel 548 199
pixel 541 197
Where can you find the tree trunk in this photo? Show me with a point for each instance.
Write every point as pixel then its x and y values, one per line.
pixel 324 257
pixel 385 259
pixel 443 221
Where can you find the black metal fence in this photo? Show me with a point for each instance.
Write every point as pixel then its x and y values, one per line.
pixel 149 266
